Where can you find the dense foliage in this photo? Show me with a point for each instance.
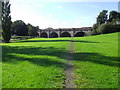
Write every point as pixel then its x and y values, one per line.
pixel 102 17
pixel 32 30
pixel 16 28
pixel 19 28
pixel 114 16
pixel 108 28
pixel 106 24
pixel 6 21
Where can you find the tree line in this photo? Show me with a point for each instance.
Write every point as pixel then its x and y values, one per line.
pixel 106 24
pixel 19 28
pixel 16 28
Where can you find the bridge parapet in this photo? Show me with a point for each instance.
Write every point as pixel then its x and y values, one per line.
pixel 58 32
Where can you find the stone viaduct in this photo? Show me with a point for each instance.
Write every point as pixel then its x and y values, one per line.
pixel 63 32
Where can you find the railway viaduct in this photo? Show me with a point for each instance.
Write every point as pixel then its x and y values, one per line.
pixel 63 32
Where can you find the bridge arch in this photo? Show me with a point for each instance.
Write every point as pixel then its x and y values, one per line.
pixel 65 34
pixel 53 35
pixel 79 34
pixel 44 35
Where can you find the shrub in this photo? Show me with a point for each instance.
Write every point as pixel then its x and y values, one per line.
pixel 94 32
pixel 89 33
pixel 108 28
pixel 94 29
pixel 21 37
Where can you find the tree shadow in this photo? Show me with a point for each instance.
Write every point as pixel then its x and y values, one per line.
pixel 46 41
pixel 85 41
pixel 62 41
pixel 60 53
pixel 97 58
pixel 50 54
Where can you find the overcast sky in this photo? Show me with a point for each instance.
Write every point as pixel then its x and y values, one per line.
pixel 59 14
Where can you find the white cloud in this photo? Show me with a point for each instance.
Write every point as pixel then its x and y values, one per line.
pixel 28 16
pixel 60 7
pixel 50 15
pixel 93 6
pixel 30 13
pixel 40 5
pixel 84 21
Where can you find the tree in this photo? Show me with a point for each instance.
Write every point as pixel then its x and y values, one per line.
pixel 6 22
pixel 108 28
pixel 94 29
pixel 32 30
pixel 0 20
pixel 114 16
pixel 102 17
pixel 19 28
pixel 103 26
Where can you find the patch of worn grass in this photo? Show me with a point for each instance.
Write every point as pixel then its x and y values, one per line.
pixel 96 61
pixel 34 63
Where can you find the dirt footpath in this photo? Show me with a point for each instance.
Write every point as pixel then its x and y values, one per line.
pixel 69 82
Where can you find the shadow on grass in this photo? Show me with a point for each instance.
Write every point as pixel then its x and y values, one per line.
pixel 8 55
pixel 97 58
pixel 85 41
pixel 61 41
pixel 60 53
pixel 56 52
pixel 46 41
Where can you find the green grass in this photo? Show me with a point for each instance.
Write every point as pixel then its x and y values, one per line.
pixel 96 61
pixel 34 63
pixel 0 73
pixel 40 63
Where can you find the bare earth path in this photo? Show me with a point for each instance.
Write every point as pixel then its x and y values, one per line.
pixel 69 82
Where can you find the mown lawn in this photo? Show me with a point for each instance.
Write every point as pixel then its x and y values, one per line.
pixel 96 61
pixel 34 63
pixel 0 67
pixel 40 63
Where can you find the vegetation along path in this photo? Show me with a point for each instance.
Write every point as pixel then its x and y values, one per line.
pixel 69 82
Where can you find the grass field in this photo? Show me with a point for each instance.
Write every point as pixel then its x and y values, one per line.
pixel 40 63
pixel 96 61
pixel 34 63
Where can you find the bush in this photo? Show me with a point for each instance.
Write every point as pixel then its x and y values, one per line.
pixel 94 32
pixel 94 29
pixel 20 37
pixel 89 33
pixel 108 28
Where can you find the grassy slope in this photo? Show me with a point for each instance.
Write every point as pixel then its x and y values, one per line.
pixel 34 63
pixel 96 61
pixel 39 63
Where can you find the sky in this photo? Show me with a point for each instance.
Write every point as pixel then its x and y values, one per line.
pixel 59 14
